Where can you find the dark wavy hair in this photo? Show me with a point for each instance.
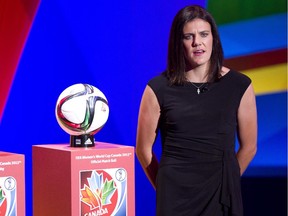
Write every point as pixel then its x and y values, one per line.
pixel 176 64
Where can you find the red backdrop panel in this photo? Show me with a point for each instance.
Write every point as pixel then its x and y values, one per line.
pixel 16 18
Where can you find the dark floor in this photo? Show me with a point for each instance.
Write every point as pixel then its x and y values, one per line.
pixel 264 196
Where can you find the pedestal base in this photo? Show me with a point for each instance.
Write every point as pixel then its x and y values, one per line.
pixel 12 184
pixel 83 181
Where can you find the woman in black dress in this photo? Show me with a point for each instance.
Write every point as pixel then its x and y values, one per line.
pixel 198 105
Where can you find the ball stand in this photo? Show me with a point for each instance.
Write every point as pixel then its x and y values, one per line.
pixel 85 140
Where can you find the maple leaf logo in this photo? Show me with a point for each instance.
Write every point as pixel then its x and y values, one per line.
pixel 97 193
pixel 2 197
pixel 3 202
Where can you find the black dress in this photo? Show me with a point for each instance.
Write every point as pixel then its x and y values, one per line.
pixel 199 174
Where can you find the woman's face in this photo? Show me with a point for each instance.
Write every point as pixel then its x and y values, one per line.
pixel 198 43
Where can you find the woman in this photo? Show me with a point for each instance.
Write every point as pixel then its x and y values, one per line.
pixel 198 105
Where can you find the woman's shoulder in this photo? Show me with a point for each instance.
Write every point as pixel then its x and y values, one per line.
pixel 237 80
pixel 158 81
pixel 159 78
pixel 236 76
pixel 158 84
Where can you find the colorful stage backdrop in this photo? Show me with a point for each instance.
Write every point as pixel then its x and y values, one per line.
pixel 117 46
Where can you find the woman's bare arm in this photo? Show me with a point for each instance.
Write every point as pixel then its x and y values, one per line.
pixel 149 114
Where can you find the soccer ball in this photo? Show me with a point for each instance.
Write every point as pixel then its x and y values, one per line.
pixel 81 109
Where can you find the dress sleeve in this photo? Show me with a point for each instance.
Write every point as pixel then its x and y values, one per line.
pixel 242 81
pixel 158 84
pixel 245 82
